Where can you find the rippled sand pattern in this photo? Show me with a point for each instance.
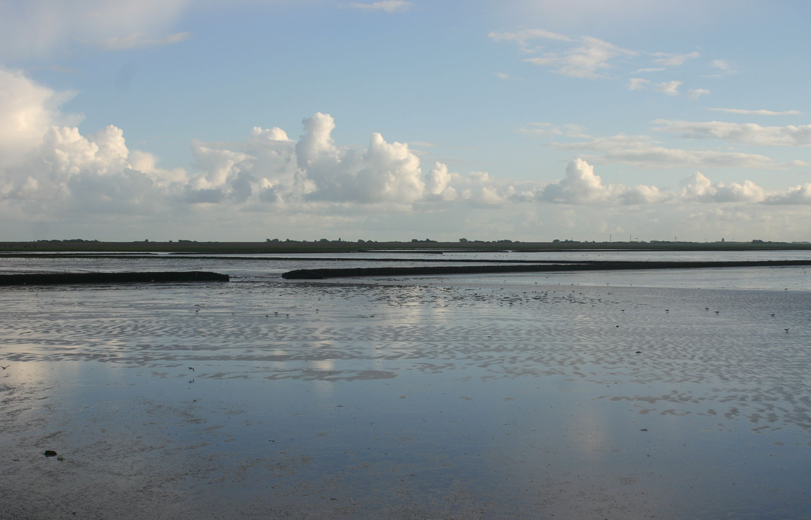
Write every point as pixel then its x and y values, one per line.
pixel 430 399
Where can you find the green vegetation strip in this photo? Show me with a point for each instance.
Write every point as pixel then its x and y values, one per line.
pixel 111 278
pixel 317 274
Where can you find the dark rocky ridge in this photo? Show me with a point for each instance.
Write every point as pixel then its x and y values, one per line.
pixel 108 278
pixel 316 274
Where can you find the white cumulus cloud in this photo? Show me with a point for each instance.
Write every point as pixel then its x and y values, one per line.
pixel 580 186
pixel 437 183
pixel 27 110
pixel 386 172
pixel 698 188
pixel 51 170
pixel 642 194
pixel 797 195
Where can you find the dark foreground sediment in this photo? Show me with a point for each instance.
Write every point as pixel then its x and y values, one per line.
pixel 106 278
pixel 316 274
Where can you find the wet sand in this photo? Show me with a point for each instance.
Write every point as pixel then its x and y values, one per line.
pixel 469 397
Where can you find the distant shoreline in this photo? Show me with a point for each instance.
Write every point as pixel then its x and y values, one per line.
pixel 284 247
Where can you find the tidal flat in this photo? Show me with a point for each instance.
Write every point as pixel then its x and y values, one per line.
pixel 578 396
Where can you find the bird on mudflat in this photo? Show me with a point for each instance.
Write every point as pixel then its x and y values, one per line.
pixel 191 368
pixel 5 367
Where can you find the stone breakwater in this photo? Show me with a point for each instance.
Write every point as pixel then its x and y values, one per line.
pixel 109 278
pixel 317 274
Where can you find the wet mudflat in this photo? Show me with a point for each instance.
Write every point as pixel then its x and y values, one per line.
pixel 470 397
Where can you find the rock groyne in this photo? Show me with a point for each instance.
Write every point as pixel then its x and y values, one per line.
pixel 111 278
pixel 317 274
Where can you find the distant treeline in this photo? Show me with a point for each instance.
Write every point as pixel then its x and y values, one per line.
pixel 424 245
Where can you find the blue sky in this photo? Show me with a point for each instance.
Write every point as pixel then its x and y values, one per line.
pixel 529 120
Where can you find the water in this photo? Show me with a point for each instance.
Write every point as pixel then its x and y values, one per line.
pixel 440 397
pixel 254 268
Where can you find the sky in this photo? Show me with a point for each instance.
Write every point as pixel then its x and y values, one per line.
pixel 527 120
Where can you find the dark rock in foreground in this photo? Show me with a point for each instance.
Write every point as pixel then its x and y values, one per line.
pixel 316 274
pixel 106 278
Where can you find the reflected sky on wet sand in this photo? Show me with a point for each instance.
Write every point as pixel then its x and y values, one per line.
pixel 466 397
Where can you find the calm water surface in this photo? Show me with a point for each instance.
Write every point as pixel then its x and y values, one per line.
pixel 566 395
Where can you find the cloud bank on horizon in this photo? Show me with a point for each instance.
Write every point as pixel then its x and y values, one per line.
pixel 57 177
pixel 62 168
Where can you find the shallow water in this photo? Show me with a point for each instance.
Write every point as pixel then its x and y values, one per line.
pixel 440 397
pixel 252 268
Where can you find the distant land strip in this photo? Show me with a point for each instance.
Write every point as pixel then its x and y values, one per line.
pixel 318 274
pixel 422 246
pixel 193 256
pixel 111 278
